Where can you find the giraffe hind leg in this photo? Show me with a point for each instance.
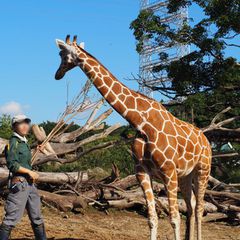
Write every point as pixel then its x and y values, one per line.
pixel 185 184
pixel 171 184
pixel 200 185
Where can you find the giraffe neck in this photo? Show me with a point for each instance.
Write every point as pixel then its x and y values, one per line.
pixel 121 98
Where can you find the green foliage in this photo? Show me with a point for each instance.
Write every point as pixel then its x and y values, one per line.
pixel 47 126
pixel 228 172
pixel 205 76
pixel 224 13
pixel 5 126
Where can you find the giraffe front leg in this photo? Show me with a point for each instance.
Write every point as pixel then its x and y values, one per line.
pixel 138 149
pixel 145 182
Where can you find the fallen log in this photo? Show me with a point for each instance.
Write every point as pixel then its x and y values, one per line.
pixel 126 193
pixel 232 211
pixel 235 196
pixel 235 185
pixel 109 198
pixel 51 177
pixel 64 148
pixel 218 185
pixel 162 202
pixel 61 178
pixel 213 217
pixel 3 143
pixel 62 203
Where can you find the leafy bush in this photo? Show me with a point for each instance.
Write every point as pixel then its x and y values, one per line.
pixel 5 126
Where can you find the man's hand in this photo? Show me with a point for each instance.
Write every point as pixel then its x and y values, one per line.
pixel 33 175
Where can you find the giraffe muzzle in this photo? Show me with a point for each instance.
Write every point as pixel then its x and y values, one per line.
pixel 59 74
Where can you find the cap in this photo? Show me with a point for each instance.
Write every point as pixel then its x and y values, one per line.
pixel 20 118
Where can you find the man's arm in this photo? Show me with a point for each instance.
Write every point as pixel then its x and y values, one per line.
pixel 12 156
pixel 13 161
pixel 33 175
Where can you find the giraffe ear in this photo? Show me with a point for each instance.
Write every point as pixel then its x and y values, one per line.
pixel 61 44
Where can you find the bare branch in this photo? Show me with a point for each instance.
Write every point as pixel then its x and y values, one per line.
pixel 64 148
pixel 89 125
pixel 225 155
pixel 219 126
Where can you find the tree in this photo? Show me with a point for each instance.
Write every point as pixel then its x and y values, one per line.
pixel 206 76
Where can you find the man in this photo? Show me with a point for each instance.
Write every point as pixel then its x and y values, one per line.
pixel 23 192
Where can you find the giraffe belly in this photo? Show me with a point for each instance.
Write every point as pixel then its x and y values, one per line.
pixel 186 166
pixel 186 171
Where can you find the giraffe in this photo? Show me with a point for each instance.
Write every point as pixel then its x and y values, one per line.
pixel 165 147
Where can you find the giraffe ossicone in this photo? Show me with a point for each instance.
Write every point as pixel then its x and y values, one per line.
pixel 165 148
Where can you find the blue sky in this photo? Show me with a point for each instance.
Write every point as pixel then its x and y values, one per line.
pixel 29 56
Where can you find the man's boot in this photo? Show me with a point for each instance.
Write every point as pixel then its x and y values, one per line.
pixel 5 232
pixel 39 232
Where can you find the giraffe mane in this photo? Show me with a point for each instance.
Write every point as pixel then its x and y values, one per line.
pixel 142 95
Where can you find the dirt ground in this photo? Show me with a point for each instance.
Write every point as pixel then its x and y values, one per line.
pixel 117 225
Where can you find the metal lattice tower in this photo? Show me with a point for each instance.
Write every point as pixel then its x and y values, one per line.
pixel 149 57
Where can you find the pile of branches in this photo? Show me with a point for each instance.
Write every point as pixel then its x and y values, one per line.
pixel 222 201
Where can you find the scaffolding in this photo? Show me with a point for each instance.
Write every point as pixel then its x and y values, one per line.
pixel 150 55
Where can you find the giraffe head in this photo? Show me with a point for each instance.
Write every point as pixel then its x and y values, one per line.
pixel 69 55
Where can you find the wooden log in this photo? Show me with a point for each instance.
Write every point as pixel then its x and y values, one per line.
pixel 3 143
pixel 235 196
pixel 129 199
pixel 208 207
pixel 62 203
pixel 127 182
pixel 116 195
pixel 235 185
pixel 213 217
pixel 64 148
pixel 61 178
pixel 51 177
pixel 219 186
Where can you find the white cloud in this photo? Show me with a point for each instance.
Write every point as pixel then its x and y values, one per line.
pixel 12 108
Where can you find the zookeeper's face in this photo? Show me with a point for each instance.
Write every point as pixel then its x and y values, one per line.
pixel 22 128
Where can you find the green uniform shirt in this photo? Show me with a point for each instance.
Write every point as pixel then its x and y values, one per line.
pixel 18 155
